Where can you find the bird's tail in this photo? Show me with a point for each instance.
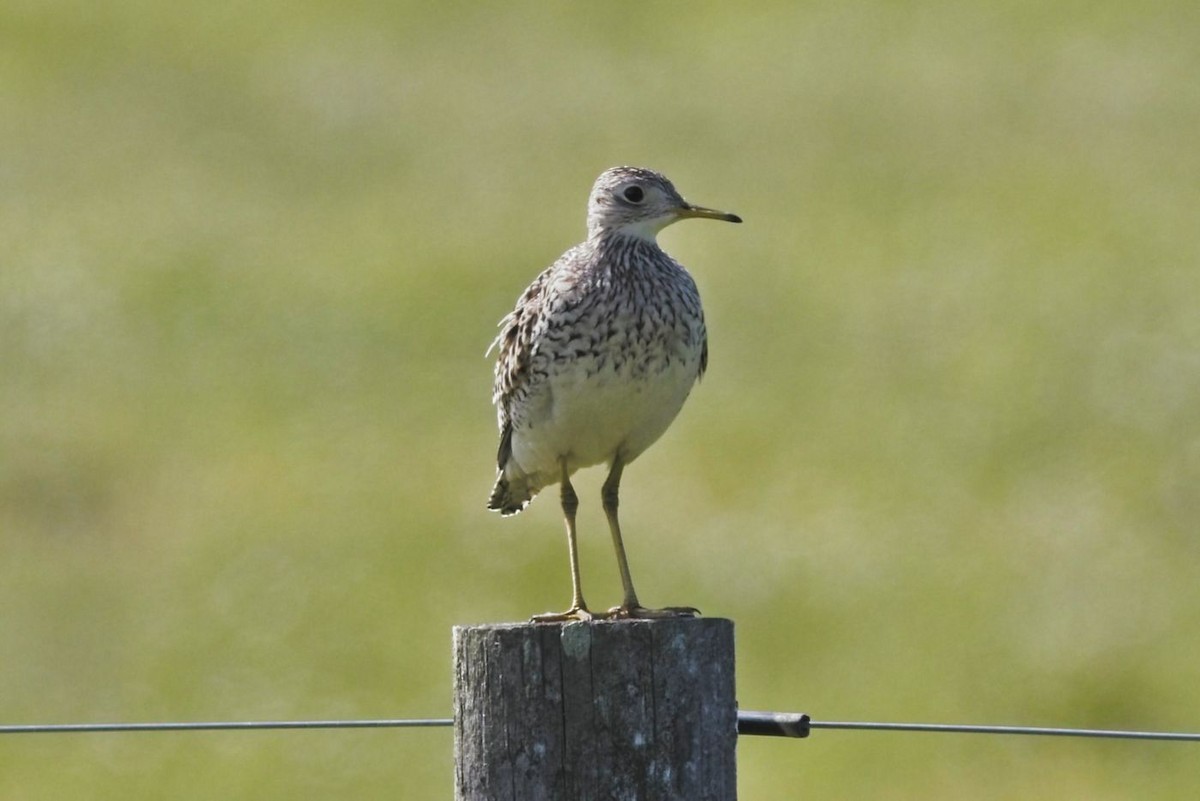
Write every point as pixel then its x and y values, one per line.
pixel 511 494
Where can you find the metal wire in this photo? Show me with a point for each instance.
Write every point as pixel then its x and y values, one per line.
pixel 780 724
pixel 229 725
pixel 1113 734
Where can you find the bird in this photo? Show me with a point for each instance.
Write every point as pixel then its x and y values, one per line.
pixel 596 360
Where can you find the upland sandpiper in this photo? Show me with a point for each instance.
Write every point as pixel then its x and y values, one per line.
pixel 597 359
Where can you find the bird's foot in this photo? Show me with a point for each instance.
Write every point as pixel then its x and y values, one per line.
pixel 577 612
pixel 635 612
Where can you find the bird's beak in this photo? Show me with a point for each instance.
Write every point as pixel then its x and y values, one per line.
pixel 688 210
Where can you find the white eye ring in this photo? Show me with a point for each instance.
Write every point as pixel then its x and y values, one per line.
pixel 633 193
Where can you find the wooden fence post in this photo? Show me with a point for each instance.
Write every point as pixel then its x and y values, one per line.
pixel 610 710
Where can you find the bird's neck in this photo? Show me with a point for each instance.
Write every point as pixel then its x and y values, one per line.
pixel 623 251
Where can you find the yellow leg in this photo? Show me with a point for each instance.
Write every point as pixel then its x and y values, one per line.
pixel 629 608
pixel 570 505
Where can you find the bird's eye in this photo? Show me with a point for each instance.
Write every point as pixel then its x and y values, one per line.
pixel 634 194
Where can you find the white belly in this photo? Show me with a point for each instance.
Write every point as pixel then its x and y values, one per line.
pixel 589 419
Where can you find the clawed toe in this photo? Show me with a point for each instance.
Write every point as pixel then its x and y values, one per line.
pixel 576 613
pixel 642 613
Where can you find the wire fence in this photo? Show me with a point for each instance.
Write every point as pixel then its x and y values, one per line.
pixel 1110 734
pixel 224 725
pixel 776 724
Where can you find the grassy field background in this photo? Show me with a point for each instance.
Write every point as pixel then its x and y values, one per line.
pixel 945 465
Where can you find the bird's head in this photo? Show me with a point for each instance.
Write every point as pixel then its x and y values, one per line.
pixel 638 202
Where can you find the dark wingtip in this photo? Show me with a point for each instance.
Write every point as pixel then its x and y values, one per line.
pixel 502 501
pixel 507 510
pixel 734 218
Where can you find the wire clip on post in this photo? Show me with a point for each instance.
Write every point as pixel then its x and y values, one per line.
pixel 774 724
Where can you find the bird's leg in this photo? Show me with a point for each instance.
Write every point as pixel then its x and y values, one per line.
pixel 570 504
pixel 609 496
pixel 629 608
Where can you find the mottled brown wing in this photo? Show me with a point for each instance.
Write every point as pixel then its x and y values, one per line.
pixel 514 346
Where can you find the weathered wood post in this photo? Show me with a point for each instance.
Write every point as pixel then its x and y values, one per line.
pixel 610 710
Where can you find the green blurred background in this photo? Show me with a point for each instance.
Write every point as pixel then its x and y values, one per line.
pixel 945 465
